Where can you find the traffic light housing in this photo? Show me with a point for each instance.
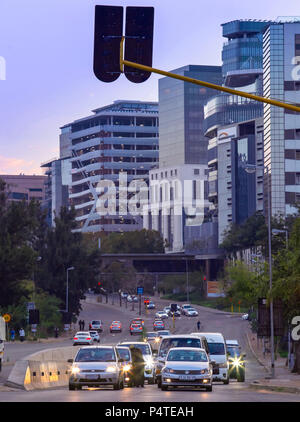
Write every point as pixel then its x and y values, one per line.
pixel 138 41
pixel 107 39
pixel 107 42
pixel 34 316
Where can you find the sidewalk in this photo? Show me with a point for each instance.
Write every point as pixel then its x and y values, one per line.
pixel 284 380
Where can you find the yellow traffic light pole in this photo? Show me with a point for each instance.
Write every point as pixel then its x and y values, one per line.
pixel 206 84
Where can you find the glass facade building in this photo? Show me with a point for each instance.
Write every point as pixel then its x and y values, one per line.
pixel 181 132
pixel 281 51
pixel 244 49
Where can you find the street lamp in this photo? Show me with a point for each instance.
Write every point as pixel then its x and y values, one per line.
pixel 251 168
pixel 67 290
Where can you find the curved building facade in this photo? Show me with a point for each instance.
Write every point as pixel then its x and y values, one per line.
pixel 118 142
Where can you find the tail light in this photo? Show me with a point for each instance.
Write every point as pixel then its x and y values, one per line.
pixel 75 338
pixel 88 338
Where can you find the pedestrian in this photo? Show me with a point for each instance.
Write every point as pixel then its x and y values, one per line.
pixel 83 324
pixel 198 325
pixel 12 334
pixel 56 330
pixel 22 334
pixel 138 367
pixel 80 325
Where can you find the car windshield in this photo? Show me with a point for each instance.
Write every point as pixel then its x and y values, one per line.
pixel 96 355
pixel 216 348
pixel 187 356
pixel 93 333
pixel 96 322
pixel 233 351
pixel 168 343
pixel 124 353
pixel 144 348
pixel 163 333
pixel 82 333
pixel 151 335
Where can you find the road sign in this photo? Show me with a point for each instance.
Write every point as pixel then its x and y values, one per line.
pixel 140 290
pixel 6 317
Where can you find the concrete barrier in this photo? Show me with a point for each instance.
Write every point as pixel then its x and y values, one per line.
pixel 45 369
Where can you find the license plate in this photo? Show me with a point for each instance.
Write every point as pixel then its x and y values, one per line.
pixel 186 377
pixel 91 376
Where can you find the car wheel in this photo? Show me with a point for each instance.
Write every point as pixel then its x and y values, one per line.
pixel 209 388
pixel 226 382
pixel 164 388
pixel 79 387
pixel 117 386
pixel 151 381
pixel 71 387
pixel 241 378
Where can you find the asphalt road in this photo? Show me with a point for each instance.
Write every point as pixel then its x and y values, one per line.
pixel 232 326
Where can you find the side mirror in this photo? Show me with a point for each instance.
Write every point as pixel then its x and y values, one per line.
pixel 70 360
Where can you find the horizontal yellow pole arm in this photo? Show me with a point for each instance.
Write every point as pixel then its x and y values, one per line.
pixel 210 85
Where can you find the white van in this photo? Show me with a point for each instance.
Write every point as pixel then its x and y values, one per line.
pixel 218 353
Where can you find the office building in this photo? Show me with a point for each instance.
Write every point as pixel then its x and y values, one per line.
pixel 281 51
pixel 180 177
pixel 24 187
pixel 111 152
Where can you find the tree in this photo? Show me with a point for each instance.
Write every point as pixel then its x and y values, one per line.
pixel 63 249
pixel 137 241
pixel 18 230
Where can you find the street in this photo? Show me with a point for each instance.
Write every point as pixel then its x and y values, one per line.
pixel 232 326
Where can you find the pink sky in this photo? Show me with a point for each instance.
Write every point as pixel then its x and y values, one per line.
pixel 48 49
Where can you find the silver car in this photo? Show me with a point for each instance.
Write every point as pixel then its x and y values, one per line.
pixel 96 366
pixel 185 366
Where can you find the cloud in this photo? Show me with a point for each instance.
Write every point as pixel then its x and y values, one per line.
pixel 11 165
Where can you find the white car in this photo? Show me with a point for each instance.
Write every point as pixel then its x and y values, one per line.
pixel 245 316
pixel 191 312
pixel 162 315
pixel 187 366
pixel 95 336
pixel 82 337
pixel 185 307
pixel 129 298
pixel 167 309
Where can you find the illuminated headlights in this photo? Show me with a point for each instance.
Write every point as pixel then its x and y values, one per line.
pixel 156 340
pixel 111 369
pixel 126 368
pixel 75 370
pixel 149 361
pixel 236 362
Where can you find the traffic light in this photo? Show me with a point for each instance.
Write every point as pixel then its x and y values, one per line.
pixel 138 41
pixel 107 39
pixel 107 42
pixel 34 316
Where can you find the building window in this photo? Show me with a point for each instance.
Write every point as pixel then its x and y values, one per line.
pixel 196 171
pixel 297 178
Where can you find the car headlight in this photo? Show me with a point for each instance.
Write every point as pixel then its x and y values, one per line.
pixel 149 361
pixel 111 369
pixel 167 370
pixel 236 362
pixel 127 367
pixel 157 340
pixel 75 370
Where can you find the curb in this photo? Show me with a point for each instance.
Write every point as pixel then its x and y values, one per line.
pixel 255 355
pixel 278 389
